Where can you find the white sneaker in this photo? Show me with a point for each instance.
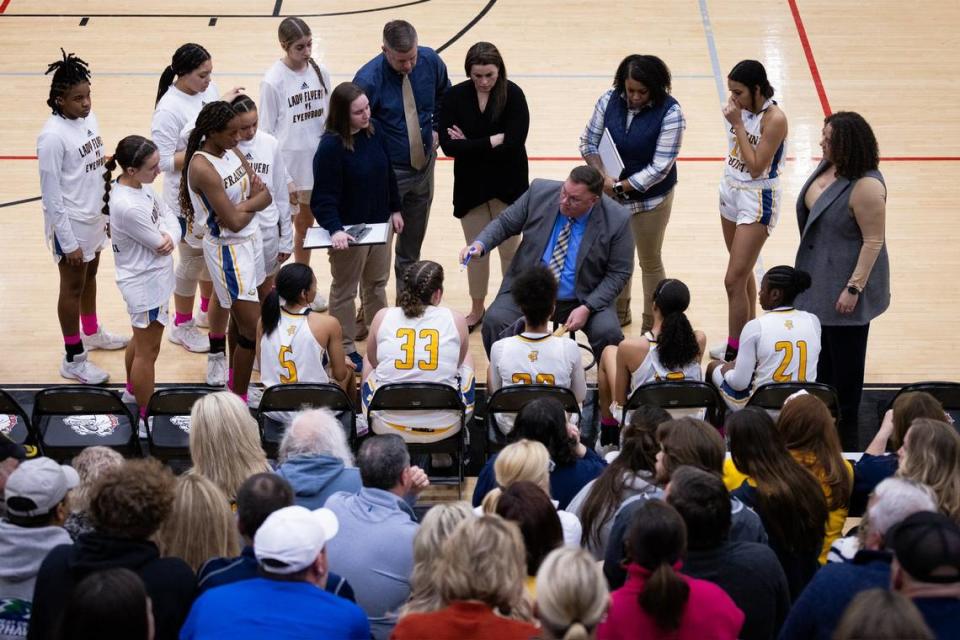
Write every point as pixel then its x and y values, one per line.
pixel 319 303
pixel 142 429
pixel 128 398
pixel 202 320
pixel 189 337
pixel 103 340
pixel 254 395
pixel 217 369
pixel 83 370
pixel 719 351
pixel 362 427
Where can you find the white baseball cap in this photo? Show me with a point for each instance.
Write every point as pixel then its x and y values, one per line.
pixel 37 486
pixel 290 539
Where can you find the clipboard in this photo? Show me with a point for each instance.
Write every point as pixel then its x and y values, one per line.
pixel 612 162
pixel 319 238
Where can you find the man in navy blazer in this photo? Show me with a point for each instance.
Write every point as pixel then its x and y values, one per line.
pixel 592 271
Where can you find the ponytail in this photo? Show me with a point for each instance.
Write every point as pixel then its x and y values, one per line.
pixel 213 118
pixel 292 280
pixel 677 343
pixel 185 59
pixel 131 153
pixel 316 69
pixel 109 167
pixel 420 281
pixel 664 597
pixel 166 79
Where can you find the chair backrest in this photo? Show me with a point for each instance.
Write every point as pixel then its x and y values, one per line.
pixel 772 395
pixel 947 393
pixel 280 401
pixel 175 401
pixel 71 418
pixel 512 398
pixel 678 394
pixel 16 425
pixel 168 421
pixel 416 396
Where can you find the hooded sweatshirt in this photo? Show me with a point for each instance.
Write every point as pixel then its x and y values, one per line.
pixel 170 582
pixel 317 477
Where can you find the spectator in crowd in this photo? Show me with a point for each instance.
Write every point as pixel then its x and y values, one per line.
pixel 200 525
pixel 630 474
pixel 108 605
pixel 36 507
pixel 439 522
pixel 480 580
pixel 878 614
pixel 545 421
pixel 374 550
pixel 11 455
pixel 877 463
pixel 288 600
pixel 89 464
pixel 930 454
pixel 528 460
pixel 127 506
pixel 527 505
pixel 225 441
pixel 573 596
pixel 748 571
pixel 258 497
pixel 316 460
pixel 785 495
pixel 817 612
pixel 659 602
pixel 683 442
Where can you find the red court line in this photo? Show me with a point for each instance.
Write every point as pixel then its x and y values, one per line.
pixel 4 5
pixel 811 61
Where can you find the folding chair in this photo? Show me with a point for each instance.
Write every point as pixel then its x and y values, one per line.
pixel 72 418
pixel 772 395
pixel 427 396
pixel 678 394
pixel 16 425
pixel 168 421
pixel 512 398
pixel 947 393
pixel 281 400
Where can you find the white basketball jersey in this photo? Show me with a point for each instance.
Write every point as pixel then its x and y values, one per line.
pixel 71 156
pixel 424 349
pixel 263 154
pixel 735 170
pixel 652 370
pixel 291 353
pixel 535 359
pixel 787 346
pixel 236 183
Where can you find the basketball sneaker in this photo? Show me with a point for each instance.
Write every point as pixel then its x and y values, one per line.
pixel 104 340
pixel 319 303
pixel 718 351
pixel 188 336
pixel 202 320
pixel 128 398
pixel 254 395
pixel 217 369
pixel 83 370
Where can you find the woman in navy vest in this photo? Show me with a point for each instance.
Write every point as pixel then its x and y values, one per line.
pixel 646 125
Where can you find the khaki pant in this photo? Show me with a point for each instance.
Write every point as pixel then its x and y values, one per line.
pixel 366 268
pixel 649 228
pixel 478 270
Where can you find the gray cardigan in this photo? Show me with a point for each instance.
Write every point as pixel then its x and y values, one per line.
pixel 830 242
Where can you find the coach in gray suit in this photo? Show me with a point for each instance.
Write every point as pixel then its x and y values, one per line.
pixel 582 236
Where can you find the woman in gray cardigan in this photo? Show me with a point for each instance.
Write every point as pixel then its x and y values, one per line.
pixel 841 211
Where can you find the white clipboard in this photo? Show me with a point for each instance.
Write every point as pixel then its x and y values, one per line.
pixel 319 238
pixel 612 162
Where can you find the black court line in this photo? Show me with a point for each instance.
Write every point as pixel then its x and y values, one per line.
pixel 276 7
pixel 206 16
pixel 13 203
pixel 468 26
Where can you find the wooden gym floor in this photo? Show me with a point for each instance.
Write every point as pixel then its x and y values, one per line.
pixel 890 61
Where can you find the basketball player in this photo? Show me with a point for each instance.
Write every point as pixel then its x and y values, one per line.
pixel 535 356
pixel 419 341
pixel 177 105
pixel 782 345
pixel 221 196
pixel 144 233
pixel 750 189
pixel 294 99
pixel 71 154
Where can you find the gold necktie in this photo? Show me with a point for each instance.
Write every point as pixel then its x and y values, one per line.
pixel 559 256
pixel 417 158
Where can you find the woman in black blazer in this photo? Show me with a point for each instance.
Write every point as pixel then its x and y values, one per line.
pixel 483 127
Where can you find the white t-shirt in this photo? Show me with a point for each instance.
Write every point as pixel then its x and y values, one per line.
pixel 236 183
pixel 71 156
pixel 137 220
pixel 291 353
pixel 263 154
pixel 293 107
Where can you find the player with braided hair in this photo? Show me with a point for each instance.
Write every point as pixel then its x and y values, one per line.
pixel 71 154
pixel 294 100
pixel 419 341
pixel 221 195
pixel 144 233
pixel 783 345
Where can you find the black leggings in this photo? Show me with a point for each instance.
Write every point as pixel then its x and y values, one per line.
pixel 843 352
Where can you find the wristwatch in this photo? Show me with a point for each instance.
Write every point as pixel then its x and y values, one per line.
pixel 852 290
pixel 618 189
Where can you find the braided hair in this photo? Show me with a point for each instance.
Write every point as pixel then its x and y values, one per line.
pixel 420 281
pixel 791 282
pixel 67 73
pixel 243 103
pixel 185 59
pixel 131 152
pixel 677 343
pixel 213 118
pixel 292 29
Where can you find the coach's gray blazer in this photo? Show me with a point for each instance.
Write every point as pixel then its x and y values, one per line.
pixel 605 256
pixel 830 242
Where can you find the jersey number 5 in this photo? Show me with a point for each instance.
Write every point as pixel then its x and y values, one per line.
pixel 286 361
pixel 787 348
pixel 431 337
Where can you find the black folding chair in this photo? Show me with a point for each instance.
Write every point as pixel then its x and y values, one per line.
pixel 168 421
pixel 16 425
pixel 283 399
pixel 72 418
pixel 678 394
pixel 772 395
pixel 512 398
pixel 947 393
pixel 427 396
